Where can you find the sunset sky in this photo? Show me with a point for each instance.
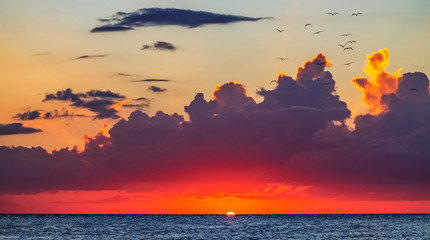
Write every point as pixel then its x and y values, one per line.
pixel 194 106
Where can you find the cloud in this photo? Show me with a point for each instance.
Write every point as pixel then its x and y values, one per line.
pixel 100 102
pixel 295 137
pixel 91 56
pixel 123 74
pixel 123 21
pixel 152 80
pixel 37 114
pixel 159 45
pixel 398 104
pixel 29 115
pixel 156 89
pixel 42 54
pixel 16 128
pixel 380 82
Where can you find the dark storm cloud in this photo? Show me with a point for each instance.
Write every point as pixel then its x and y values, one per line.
pixel 16 128
pixel 156 89
pixel 91 56
pixel 122 21
pixel 97 101
pixel 152 80
pixel 296 136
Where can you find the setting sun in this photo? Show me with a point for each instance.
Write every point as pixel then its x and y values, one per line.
pixel 230 214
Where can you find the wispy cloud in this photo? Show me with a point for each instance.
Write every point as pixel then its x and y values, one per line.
pixel 156 89
pixel 16 128
pixel 124 21
pixel 97 101
pixel 91 56
pixel 152 80
pixel 159 45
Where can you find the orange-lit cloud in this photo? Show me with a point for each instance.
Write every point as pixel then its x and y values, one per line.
pixel 231 96
pixel 380 81
pixel 119 105
pixel 100 139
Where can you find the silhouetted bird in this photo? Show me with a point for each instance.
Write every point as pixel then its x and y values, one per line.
pixel 348 48
pixel 353 41
pixel 332 13
pixel 320 63
pixel 356 14
pixel 279 30
pixel 327 83
pixel 347 64
pixel 317 32
pixel 282 59
pixel 345 34
pixel 276 81
pixel 308 25
pixel 413 89
pixel 343 46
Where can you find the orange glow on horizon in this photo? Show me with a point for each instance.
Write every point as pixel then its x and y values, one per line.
pixel 215 198
pixel 121 202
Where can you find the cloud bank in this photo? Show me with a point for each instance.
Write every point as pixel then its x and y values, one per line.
pixel 123 21
pixel 296 136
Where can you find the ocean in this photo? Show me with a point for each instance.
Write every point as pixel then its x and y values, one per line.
pixel 338 226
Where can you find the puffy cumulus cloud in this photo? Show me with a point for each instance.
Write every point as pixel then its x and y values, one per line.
pixel 402 102
pixel 313 90
pixel 16 128
pixel 200 110
pixel 123 21
pixel 294 137
pixel 380 82
pixel 231 97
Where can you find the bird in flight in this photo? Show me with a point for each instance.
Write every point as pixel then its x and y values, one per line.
pixel 345 34
pixel 276 81
pixel 353 41
pixel 320 63
pixel 308 25
pixel 343 46
pixel 413 89
pixel 356 14
pixel 279 30
pixel 333 13
pixel 317 32
pixel 347 64
pixel 282 59
pixel 348 48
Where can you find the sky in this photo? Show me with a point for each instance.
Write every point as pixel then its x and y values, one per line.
pixel 214 106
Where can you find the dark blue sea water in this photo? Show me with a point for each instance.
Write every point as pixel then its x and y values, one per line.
pixel 384 226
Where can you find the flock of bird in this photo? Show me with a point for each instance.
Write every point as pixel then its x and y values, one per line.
pixel 345 47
